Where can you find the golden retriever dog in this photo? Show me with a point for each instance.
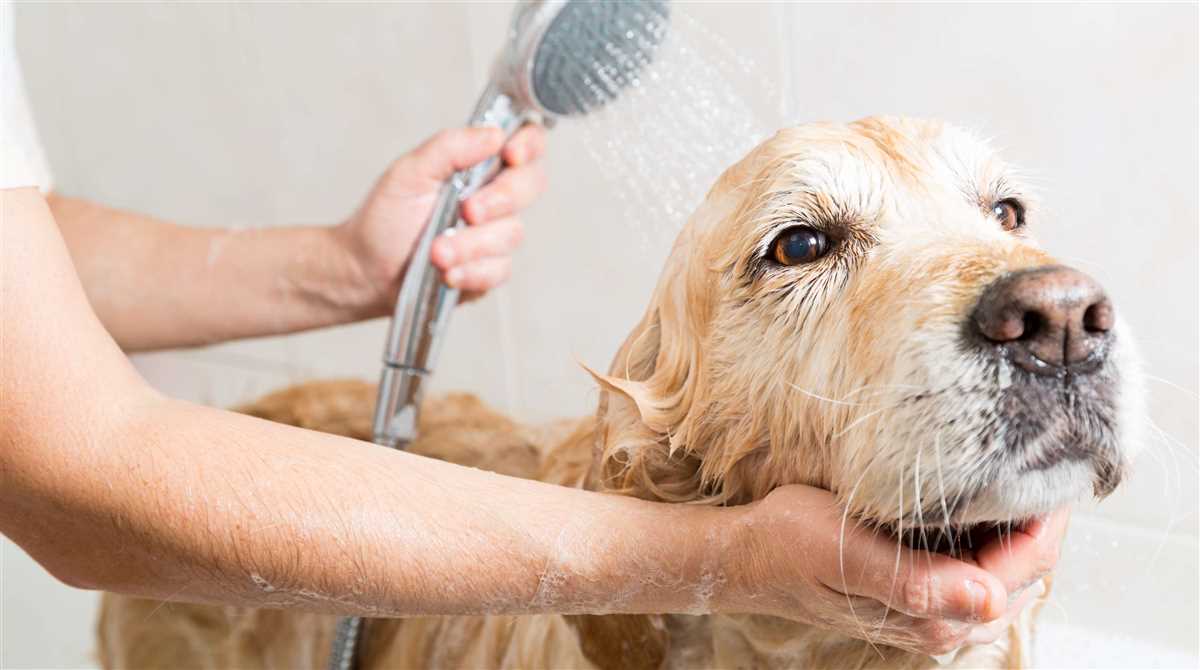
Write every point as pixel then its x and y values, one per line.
pixel 856 307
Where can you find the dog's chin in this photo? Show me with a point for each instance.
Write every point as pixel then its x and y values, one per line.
pixel 1029 494
pixel 1005 506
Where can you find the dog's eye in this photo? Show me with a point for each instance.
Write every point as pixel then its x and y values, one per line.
pixel 1010 213
pixel 799 244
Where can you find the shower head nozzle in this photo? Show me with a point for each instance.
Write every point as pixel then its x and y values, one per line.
pixel 567 58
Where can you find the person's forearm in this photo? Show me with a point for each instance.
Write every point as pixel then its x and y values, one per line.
pixel 157 285
pixel 109 485
pixel 177 501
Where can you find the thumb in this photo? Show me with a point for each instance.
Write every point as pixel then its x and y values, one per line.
pixel 918 583
pixel 455 149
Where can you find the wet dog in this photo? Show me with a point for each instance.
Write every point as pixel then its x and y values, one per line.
pixel 857 307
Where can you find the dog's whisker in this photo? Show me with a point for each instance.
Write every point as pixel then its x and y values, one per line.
pixel 1171 491
pixel 1173 444
pixel 842 556
pixel 920 513
pixel 823 398
pixel 1171 472
pixel 937 455
pixel 899 550
pixel 1171 384
pixel 861 419
pixel 884 387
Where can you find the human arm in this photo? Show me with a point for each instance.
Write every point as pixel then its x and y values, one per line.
pixel 110 485
pixel 158 285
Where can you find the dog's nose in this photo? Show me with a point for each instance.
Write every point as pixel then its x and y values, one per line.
pixel 1050 318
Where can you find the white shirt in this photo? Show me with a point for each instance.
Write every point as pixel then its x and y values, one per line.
pixel 22 160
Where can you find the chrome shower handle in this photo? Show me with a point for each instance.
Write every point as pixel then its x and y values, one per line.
pixel 424 303
pixel 415 331
pixel 422 311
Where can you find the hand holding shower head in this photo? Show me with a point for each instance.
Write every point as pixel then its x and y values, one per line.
pixel 561 58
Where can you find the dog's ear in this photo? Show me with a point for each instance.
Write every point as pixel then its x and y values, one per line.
pixel 656 436
pixel 645 412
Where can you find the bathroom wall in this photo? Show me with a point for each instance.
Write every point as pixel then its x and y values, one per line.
pixel 260 115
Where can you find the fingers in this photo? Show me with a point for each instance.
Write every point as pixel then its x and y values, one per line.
pixel 467 245
pixel 934 637
pixel 989 632
pixel 870 620
pixel 512 190
pixel 475 260
pixel 917 583
pixel 454 149
pixel 480 276
pixel 451 150
pixel 941 638
pixel 518 185
pixel 526 145
pixel 1024 556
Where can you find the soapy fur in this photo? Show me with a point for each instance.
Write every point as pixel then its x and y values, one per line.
pixel 851 373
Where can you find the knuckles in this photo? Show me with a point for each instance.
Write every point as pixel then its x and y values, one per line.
pixel 918 594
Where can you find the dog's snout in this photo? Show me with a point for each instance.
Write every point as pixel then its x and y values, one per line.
pixel 1050 318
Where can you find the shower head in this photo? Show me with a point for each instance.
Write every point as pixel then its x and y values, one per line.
pixel 569 57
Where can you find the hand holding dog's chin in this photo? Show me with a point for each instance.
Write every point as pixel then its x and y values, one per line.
pixel 1024 556
pixel 796 556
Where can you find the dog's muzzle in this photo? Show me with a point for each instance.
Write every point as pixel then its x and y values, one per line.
pixel 1052 327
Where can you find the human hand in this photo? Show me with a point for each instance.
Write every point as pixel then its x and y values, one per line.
pixel 382 233
pixel 793 560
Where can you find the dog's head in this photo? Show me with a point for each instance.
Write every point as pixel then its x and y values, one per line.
pixel 864 308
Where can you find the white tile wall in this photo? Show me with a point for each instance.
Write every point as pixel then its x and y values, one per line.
pixel 268 114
